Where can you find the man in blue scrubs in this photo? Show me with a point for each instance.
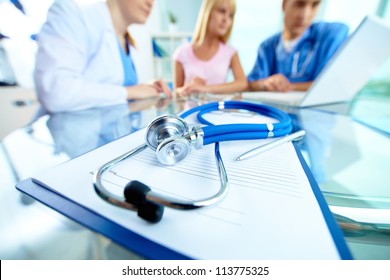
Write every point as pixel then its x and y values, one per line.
pixel 292 59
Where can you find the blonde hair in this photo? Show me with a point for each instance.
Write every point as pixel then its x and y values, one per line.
pixel 204 18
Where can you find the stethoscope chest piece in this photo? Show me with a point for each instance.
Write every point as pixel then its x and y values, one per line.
pixel 173 150
pixel 164 127
pixel 165 136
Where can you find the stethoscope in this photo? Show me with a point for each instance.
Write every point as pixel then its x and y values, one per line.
pixel 294 68
pixel 306 43
pixel 172 140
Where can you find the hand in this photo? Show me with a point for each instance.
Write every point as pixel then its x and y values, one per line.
pixel 277 82
pixel 191 89
pixel 162 87
pixel 195 85
pixel 197 81
pixel 141 91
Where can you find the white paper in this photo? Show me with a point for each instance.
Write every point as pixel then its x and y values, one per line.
pixel 270 211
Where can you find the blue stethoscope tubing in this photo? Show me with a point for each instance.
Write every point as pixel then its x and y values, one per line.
pixel 243 131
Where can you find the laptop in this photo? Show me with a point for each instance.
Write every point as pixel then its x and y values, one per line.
pixel 360 56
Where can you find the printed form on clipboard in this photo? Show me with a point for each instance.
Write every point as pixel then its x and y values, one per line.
pixel 272 210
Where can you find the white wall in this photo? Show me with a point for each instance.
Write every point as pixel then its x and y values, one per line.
pixel 186 12
pixel 351 12
pixel 254 22
pixel 20 49
pixel 386 13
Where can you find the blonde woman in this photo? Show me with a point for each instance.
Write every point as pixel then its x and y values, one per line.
pixel 203 64
pixel 84 57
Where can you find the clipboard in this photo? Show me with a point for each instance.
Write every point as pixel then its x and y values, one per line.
pixel 142 245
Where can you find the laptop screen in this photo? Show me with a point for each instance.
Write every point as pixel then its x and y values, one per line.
pixel 360 56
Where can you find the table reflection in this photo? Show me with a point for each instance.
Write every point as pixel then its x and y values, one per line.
pixel 76 133
pixel 347 158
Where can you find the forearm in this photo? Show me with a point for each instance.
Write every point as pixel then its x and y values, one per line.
pixel 256 85
pixel 142 91
pixel 301 86
pixel 235 86
pixel 276 82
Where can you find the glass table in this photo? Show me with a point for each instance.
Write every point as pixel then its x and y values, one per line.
pixel 346 146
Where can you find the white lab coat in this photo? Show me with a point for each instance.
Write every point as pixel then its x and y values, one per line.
pixel 78 61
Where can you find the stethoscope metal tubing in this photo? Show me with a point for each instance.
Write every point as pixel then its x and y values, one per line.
pixel 158 197
pixel 189 205
pixel 97 179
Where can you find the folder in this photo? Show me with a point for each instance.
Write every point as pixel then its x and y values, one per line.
pixel 250 223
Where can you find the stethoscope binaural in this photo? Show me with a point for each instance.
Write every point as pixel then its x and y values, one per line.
pixel 294 68
pixel 170 137
pixel 310 46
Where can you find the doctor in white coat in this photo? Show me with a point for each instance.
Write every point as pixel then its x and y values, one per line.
pixel 84 56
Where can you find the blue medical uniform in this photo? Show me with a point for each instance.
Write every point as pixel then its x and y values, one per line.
pixel 303 64
pixel 130 73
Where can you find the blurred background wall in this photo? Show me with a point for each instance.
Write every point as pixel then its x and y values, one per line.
pixel 255 21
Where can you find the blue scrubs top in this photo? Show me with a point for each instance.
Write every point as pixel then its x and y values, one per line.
pixel 131 77
pixel 303 64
